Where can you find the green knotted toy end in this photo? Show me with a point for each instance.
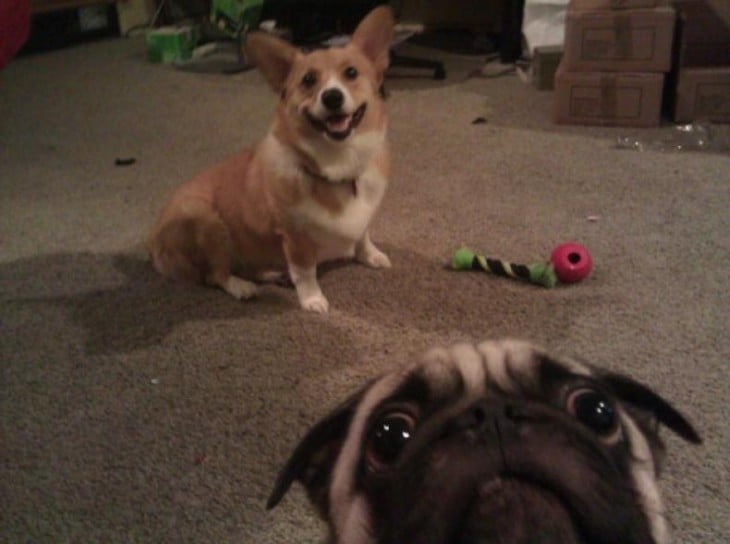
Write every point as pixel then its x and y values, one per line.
pixel 462 259
pixel 543 274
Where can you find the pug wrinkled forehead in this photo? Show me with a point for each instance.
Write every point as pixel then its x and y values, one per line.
pixel 499 442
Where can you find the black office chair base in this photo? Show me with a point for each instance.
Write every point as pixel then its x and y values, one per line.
pixel 439 72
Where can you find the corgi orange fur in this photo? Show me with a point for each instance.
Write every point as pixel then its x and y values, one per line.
pixel 304 194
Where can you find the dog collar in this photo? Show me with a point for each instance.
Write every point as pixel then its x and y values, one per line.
pixel 352 182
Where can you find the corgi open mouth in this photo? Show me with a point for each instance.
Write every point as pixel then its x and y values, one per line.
pixel 337 126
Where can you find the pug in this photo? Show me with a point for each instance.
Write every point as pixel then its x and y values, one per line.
pixel 499 442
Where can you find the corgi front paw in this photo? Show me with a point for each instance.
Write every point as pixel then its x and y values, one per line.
pixel 316 303
pixel 374 258
pixel 367 253
pixel 378 259
pixel 308 291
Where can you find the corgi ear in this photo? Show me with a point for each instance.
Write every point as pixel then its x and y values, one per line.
pixel 272 56
pixel 374 35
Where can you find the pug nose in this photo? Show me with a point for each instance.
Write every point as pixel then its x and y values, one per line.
pixel 476 418
pixel 484 414
pixel 333 99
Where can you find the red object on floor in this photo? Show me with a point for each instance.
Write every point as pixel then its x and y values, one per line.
pixel 572 262
pixel 14 28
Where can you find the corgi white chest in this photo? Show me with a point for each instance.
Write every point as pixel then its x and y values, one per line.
pixel 339 230
pixel 359 194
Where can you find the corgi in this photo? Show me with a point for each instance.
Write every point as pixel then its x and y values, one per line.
pixel 308 191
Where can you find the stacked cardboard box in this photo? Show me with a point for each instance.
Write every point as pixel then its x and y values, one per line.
pixel 700 81
pixel 615 58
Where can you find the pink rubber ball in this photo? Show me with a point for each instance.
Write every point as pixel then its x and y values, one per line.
pixel 572 262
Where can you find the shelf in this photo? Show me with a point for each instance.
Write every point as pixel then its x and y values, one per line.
pixel 46 6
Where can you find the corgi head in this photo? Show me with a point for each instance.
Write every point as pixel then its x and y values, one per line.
pixel 328 94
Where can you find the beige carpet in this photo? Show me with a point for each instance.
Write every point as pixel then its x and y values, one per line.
pixel 138 411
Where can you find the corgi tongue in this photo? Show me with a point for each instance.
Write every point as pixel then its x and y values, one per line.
pixel 338 123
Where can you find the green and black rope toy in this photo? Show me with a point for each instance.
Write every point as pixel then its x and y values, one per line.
pixel 568 263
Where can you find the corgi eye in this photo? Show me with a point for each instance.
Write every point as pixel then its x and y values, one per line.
pixel 351 72
pixel 309 80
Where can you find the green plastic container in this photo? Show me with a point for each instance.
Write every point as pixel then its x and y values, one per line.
pixel 235 16
pixel 171 44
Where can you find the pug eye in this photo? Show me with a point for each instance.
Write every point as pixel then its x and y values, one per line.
pixel 309 80
pixel 351 72
pixel 387 438
pixel 596 411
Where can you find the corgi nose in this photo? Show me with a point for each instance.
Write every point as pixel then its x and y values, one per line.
pixel 333 99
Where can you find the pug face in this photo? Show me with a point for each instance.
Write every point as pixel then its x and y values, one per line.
pixel 492 443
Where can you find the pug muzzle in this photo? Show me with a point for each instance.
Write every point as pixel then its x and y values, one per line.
pixel 495 443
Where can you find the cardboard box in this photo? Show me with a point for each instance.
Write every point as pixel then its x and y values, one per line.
pixel 593 5
pixel 620 40
pixel 540 71
pixel 545 62
pixel 721 8
pixel 703 36
pixel 703 94
pixel 134 14
pixel 607 98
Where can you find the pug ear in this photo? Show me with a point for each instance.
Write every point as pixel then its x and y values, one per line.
pixel 643 398
pixel 272 56
pixel 374 36
pixel 314 458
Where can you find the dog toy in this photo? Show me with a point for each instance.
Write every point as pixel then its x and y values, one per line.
pixel 569 263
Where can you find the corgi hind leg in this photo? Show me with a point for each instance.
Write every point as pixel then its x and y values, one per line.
pixel 237 287
pixel 198 248
pixel 276 277
pixel 215 241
